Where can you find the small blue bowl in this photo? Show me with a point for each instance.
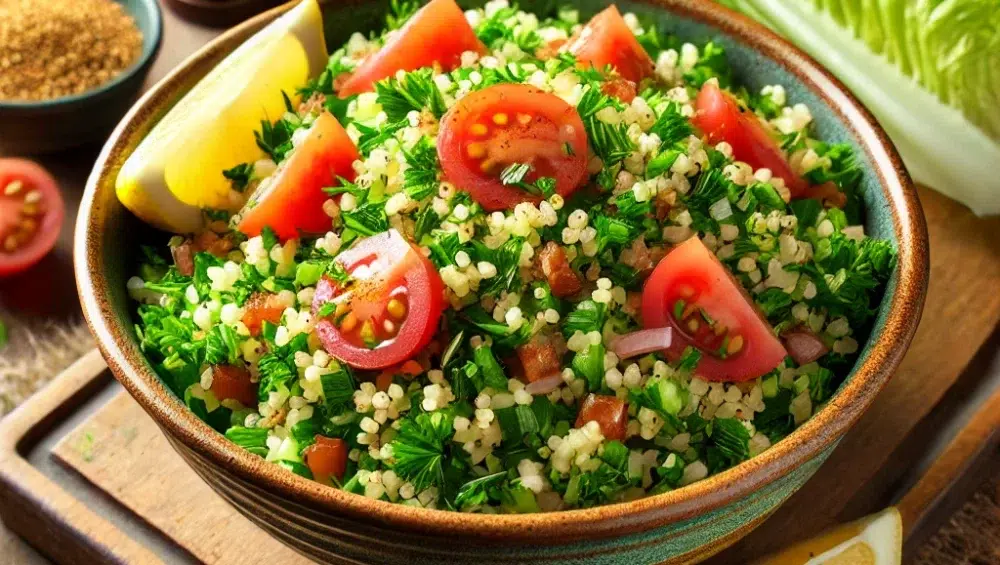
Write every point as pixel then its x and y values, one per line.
pixel 51 125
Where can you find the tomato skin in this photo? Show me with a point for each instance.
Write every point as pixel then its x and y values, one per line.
pixel 326 458
pixel 437 34
pixel 292 202
pixel 541 142
pixel 52 210
pixel 409 269
pixel 610 412
pixel 692 269
pixel 230 382
pixel 607 40
pixel 620 88
pixel 719 117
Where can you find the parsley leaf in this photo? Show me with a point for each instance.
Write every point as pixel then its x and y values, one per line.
pixel 420 447
pixel 240 175
pixel 414 92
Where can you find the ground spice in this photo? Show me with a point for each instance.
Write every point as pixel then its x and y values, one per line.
pixel 54 48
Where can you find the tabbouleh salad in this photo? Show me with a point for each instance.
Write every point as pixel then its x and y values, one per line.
pixel 536 264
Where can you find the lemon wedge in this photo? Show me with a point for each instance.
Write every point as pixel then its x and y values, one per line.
pixel 872 540
pixel 176 171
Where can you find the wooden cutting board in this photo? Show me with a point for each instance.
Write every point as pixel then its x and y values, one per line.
pixel 87 477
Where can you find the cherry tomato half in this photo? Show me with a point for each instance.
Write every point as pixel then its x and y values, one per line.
pixel 607 40
pixel 692 291
pixel 31 214
pixel 437 34
pixel 610 412
pixel 326 458
pixel 507 124
pixel 721 118
pixel 389 309
pixel 291 201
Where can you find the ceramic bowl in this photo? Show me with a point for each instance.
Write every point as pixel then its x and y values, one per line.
pixel 51 125
pixel 681 526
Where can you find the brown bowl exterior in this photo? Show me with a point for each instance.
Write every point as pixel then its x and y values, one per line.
pixel 676 527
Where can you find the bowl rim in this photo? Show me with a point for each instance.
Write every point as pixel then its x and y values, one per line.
pixel 819 433
pixel 145 59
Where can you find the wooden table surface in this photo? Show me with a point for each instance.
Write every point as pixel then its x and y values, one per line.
pixel 947 372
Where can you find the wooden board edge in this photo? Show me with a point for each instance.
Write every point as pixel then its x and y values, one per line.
pixel 41 521
pixel 960 468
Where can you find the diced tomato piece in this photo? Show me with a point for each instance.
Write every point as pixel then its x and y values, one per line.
pixel 539 357
pixel 262 307
pixel 506 124
pixel 327 458
pixel 291 201
pixel 437 34
pixel 610 412
pixel 562 279
pixel 607 40
pixel 550 49
pixel 230 382
pixel 31 214
pixel 207 241
pixel 620 88
pixel 388 311
pixel 693 292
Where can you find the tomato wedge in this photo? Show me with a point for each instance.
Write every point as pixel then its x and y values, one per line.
pixel 437 34
pixel 31 214
pixel 610 412
pixel 327 458
pixel 508 124
pixel 389 308
pixel 291 201
pixel 230 382
pixel 721 118
pixel 693 292
pixel 607 40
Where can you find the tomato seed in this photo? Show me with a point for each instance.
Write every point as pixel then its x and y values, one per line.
pixel 720 329
pixel 478 129
pixel 33 197
pixel 693 325
pixel 500 119
pixel 735 345
pixel 524 119
pixel 389 327
pixel 476 150
pixel 686 291
pixel 396 309
pixel 10 243
pixel 688 310
pixel 13 187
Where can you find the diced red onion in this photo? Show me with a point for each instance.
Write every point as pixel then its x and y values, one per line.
pixel 642 342
pixel 804 346
pixel 545 385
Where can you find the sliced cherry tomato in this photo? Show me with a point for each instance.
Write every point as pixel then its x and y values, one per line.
pixel 692 291
pixel 721 118
pixel 389 309
pixel 230 382
pixel 610 412
pixel 262 307
pixel 437 34
pixel 607 40
pixel 507 124
pixel 291 201
pixel 326 458
pixel 31 214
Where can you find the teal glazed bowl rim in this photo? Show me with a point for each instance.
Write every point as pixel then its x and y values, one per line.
pixel 151 39
pixel 116 339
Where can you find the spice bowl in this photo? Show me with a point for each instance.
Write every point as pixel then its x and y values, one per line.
pixel 45 126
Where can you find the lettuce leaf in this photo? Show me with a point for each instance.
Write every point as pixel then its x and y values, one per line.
pixel 928 69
